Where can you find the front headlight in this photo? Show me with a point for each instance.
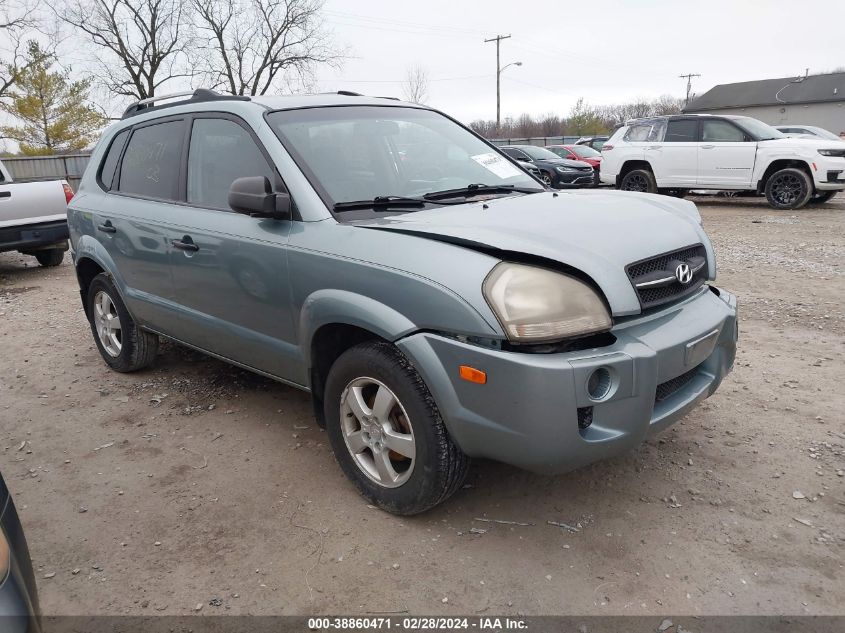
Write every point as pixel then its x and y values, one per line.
pixel 536 305
pixel 564 170
pixel 832 152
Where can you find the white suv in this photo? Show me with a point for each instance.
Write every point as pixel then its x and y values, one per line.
pixel 673 154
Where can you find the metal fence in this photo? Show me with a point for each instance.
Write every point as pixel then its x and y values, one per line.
pixel 536 140
pixel 68 167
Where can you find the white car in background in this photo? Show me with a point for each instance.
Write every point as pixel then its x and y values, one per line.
pixel 673 154
pixel 807 131
pixel 33 218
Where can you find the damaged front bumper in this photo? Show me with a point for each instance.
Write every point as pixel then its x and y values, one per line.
pixel 557 412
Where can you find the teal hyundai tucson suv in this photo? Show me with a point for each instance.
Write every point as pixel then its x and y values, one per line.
pixel 436 300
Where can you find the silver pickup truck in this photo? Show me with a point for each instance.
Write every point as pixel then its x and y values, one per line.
pixel 33 218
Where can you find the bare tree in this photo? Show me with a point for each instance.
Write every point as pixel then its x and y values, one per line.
pixel 247 47
pixel 415 86
pixel 17 19
pixel 141 43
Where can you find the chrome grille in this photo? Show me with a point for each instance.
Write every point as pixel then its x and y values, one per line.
pixel 655 281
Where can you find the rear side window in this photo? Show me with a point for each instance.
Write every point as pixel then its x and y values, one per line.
pixel 221 151
pixel 150 165
pixel 682 131
pixel 647 131
pixel 721 132
pixel 110 161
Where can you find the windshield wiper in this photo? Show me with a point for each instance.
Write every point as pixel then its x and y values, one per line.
pixel 384 203
pixel 478 188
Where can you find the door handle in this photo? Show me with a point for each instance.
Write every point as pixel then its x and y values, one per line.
pixel 5 194
pixel 707 146
pixel 106 227
pixel 185 244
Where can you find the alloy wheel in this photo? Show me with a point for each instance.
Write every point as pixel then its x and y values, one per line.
pixel 107 323
pixel 787 189
pixel 635 182
pixel 377 432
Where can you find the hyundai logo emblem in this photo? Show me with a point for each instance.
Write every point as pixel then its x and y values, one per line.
pixel 683 273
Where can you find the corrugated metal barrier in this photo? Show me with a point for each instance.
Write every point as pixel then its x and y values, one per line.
pixel 69 167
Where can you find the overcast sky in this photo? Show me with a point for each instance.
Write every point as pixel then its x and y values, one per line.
pixel 606 51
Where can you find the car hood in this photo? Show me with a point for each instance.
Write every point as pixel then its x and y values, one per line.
pixel 596 232
pixel 562 162
pixel 809 144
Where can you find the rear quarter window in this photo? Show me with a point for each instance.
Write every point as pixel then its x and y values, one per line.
pixel 646 131
pixel 150 165
pixel 107 167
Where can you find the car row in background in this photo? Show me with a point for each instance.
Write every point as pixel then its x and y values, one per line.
pixel 582 153
pixel 555 171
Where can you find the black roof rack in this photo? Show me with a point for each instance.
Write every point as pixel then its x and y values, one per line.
pixel 349 93
pixel 199 95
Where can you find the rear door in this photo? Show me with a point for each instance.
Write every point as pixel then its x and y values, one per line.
pixel 230 270
pixel 675 157
pixel 726 154
pixel 141 175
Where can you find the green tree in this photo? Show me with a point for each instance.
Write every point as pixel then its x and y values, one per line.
pixel 584 120
pixel 53 111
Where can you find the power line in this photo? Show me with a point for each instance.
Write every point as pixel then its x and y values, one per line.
pixel 400 81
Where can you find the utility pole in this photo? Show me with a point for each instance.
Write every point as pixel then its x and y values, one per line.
pixel 688 77
pixel 498 40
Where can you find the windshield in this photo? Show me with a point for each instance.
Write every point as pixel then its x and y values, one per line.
pixel 759 130
pixel 539 153
pixel 585 152
pixel 354 153
pixel 823 133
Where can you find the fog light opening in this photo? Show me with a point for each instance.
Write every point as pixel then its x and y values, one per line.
pixel 599 383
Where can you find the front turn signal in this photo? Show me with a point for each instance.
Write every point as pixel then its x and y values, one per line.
pixel 473 375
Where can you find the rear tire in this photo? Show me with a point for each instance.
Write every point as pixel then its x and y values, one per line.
pixel 387 433
pixel 821 197
pixel 122 344
pixel 50 257
pixel 788 189
pixel 641 180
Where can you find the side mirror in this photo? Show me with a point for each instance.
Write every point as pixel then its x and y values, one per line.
pixel 254 195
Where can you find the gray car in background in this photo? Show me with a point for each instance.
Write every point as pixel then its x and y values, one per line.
pixel 436 301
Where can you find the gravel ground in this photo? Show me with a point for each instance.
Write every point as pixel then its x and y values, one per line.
pixel 195 485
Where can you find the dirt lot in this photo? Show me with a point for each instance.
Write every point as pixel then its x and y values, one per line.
pixel 198 484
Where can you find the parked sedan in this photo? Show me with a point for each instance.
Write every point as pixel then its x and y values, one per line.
pixel 807 131
pixel 18 595
pixel 579 152
pixel 555 171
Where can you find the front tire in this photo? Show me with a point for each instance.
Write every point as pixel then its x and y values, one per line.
pixel 387 433
pixel 789 188
pixel 122 344
pixel 641 180
pixel 50 257
pixel 820 197
pixel 547 179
